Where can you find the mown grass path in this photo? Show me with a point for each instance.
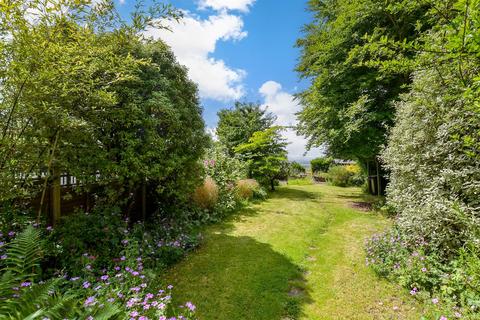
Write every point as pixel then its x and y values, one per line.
pixel 298 255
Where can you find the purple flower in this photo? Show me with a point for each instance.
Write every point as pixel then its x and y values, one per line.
pixel 89 301
pixel 424 269
pixel 3 257
pixel 125 242
pixel 190 306
pixel 25 284
pixel 413 291
pixel 86 284
pixel 104 277
pixel 134 314
pixel 117 268
pixel 11 233
pixel 88 267
pixel 435 300
pixel 49 228
pixel 74 278
pixel 170 287
pixel 443 318
pixel 122 258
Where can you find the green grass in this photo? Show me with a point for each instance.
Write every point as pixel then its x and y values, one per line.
pixel 300 181
pixel 298 255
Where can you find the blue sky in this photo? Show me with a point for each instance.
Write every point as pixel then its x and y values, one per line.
pixel 241 50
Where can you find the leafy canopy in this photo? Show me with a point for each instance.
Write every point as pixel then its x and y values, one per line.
pixel 265 153
pixel 236 126
pixel 348 105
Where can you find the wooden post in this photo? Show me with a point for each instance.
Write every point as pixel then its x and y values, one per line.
pixel 56 196
pixel 369 181
pixel 379 180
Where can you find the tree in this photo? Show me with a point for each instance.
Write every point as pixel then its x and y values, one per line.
pixel 321 164
pixel 82 92
pixel 237 125
pixel 348 106
pixel 433 151
pixel 296 169
pixel 265 153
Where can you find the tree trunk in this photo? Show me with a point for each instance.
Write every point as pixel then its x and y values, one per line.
pixel 272 184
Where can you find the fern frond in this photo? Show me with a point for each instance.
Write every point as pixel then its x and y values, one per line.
pixel 24 254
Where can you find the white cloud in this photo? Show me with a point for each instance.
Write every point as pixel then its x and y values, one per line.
pixel 284 106
pixel 194 40
pixel 240 5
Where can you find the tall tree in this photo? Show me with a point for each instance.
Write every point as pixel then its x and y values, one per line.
pixel 348 105
pixel 266 155
pixel 237 125
pixel 82 91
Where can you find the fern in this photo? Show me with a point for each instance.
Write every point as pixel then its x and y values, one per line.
pixel 38 301
pixel 24 254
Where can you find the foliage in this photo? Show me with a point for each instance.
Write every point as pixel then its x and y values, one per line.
pixel 83 93
pixel 265 154
pixel 247 189
pixel 321 164
pixel 100 237
pixel 206 195
pixel 116 292
pixel 345 176
pixel 225 170
pixel 348 105
pixel 23 298
pixel 296 169
pixel 452 288
pixel 236 126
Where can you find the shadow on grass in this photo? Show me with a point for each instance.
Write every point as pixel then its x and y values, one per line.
pixel 294 194
pixel 240 278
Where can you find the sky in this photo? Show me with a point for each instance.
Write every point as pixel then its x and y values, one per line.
pixel 241 50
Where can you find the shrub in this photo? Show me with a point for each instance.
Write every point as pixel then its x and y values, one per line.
pixel 246 188
pixel 321 164
pixel 206 195
pixel 125 290
pixel 434 183
pixel 453 285
pixel 225 170
pixel 98 238
pixel 297 170
pixel 345 176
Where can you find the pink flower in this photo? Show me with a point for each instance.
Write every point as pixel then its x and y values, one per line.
pixel 435 300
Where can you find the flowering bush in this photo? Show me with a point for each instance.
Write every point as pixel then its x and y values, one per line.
pixel 345 176
pixel 451 287
pixel 224 170
pixel 105 235
pixel 125 291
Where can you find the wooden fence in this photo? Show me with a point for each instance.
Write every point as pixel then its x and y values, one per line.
pixel 64 195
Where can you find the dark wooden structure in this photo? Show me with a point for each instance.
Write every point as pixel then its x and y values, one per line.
pixel 64 195
pixel 376 178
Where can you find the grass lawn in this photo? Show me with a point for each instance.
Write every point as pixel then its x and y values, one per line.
pixel 298 255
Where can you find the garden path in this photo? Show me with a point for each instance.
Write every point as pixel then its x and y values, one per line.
pixel 298 255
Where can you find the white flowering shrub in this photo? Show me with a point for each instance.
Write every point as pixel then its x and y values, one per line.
pixel 435 182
